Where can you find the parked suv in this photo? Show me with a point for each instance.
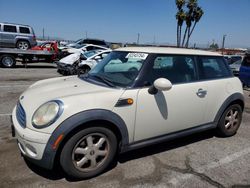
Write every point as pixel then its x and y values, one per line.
pixel 85 121
pixel 17 36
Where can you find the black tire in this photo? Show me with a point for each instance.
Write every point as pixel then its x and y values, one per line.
pixel 23 44
pixel 229 122
pixel 8 61
pixel 69 159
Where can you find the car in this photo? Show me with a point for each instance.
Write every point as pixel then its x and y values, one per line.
pixel 17 36
pixel 80 63
pixel 80 42
pixel 83 122
pixel 244 73
pixel 82 48
pixel 233 58
pixel 235 67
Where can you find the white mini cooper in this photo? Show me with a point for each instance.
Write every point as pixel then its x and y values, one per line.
pixel 85 121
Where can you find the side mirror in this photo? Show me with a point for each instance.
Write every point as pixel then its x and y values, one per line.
pixel 161 84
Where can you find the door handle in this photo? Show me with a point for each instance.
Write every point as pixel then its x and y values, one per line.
pixel 201 92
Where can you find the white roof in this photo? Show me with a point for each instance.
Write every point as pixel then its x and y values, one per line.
pixel 168 50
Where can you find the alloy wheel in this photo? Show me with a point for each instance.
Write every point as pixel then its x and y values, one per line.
pixel 90 152
pixel 232 119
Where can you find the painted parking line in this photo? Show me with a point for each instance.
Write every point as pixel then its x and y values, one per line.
pixel 5 114
pixel 7 86
pixel 228 159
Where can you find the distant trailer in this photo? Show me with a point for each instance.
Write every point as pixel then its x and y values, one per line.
pixel 8 56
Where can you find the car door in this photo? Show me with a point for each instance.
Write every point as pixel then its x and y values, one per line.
pixel 180 108
pixel 218 81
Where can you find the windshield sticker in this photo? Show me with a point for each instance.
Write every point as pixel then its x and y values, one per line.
pixel 142 56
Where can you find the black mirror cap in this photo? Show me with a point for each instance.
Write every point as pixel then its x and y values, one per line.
pixel 152 90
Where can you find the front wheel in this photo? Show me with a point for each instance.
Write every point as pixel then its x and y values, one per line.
pixel 88 153
pixel 230 121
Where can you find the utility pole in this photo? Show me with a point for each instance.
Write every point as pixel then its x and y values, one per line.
pixel 154 42
pixel 138 38
pixel 223 43
pixel 86 34
pixel 43 33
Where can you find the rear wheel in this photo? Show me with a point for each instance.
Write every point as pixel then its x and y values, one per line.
pixel 88 153
pixel 23 45
pixel 8 61
pixel 230 121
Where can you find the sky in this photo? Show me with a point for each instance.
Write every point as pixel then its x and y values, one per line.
pixel 122 20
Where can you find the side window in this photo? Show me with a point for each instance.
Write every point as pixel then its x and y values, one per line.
pixel 25 30
pixel 212 68
pixel 9 28
pixel 177 69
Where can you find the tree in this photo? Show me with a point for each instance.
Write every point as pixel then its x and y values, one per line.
pixel 214 46
pixel 180 16
pixel 191 16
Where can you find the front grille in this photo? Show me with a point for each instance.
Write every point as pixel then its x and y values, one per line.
pixel 20 115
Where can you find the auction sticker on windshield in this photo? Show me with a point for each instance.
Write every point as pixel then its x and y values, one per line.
pixel 142 56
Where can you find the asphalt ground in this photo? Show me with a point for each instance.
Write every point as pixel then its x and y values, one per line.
pixel 200 160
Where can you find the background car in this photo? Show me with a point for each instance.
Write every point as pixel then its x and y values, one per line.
pixel 233 58
pixel 235 67
pixel 17 35
pixel 82 48
pixel 80 42
pixel 80 63
pixel 244 73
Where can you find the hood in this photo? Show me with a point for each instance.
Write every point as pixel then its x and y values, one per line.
pixel 55 88
pixel 76 94
pixel 70 59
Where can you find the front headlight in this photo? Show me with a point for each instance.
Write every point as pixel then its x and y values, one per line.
pixel 47 114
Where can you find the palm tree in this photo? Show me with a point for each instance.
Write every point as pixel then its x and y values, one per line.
pixel 192 15
pixel 198 13
pixel 180 16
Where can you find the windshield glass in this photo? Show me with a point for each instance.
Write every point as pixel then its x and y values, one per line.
pixel 80 46
pixel 119 68
pixel 89 54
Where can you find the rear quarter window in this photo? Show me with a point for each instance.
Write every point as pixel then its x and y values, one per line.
pixel 25 30
pixel 9 28
pixel 213 68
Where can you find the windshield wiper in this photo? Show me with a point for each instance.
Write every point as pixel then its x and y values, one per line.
pixel 105 80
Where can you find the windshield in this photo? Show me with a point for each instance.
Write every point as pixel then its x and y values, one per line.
pixel 119 68
pixel 89 54
pixel 78 41
pixel 80 46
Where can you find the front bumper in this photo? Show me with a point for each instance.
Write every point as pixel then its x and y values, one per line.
pixel 32 144
pixel 65 69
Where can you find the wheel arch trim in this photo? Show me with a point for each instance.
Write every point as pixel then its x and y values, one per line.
pixel 227 102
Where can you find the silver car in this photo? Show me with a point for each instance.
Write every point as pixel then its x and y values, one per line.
pixel 17 36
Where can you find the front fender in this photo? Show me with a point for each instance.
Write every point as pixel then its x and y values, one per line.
pixel 78 120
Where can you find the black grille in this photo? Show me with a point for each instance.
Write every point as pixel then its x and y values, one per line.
pixel 20 115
